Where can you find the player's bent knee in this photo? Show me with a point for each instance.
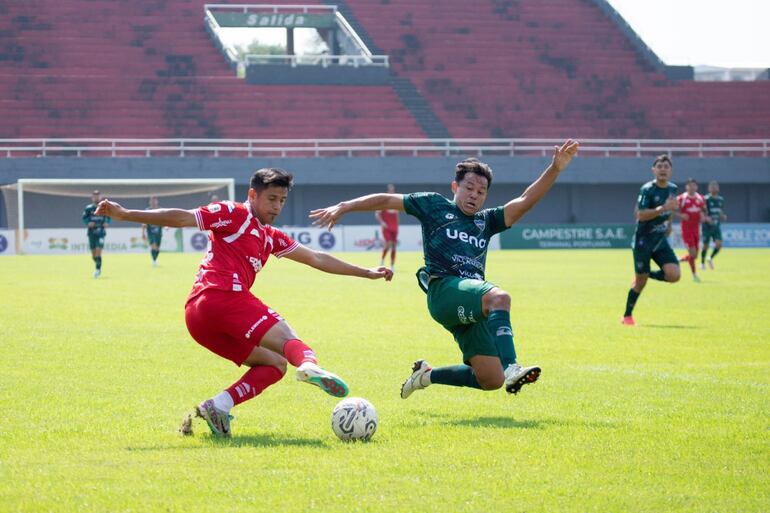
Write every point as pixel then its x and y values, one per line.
pixel 490 381
pixel 498 299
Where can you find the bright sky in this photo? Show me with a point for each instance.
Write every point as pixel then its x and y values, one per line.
pixel 728 33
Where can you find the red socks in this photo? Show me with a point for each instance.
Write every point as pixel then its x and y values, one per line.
pixel 297 353
pixel 254 382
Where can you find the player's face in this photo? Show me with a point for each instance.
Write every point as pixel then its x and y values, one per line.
pixel 713 188
pixel 470 193
pixel 268 203
pixel 391 189
pixel 153 202
pixel 662 171
pixel 95 198
pixel 692 188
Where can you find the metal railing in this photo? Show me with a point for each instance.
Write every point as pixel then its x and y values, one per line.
pixel 380 147
pixel 322 60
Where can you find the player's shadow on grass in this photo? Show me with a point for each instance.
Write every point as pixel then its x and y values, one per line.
pixel 497 422
pixel 267 440
pixel 668 326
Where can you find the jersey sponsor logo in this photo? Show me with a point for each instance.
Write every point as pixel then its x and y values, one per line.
pixel 470 239
pixel 480 223
pixel 214 208
pixel 450 216
pixel 221 223
pixel 256 264
pixel 237 285
pixel 254 326
pixel 230 206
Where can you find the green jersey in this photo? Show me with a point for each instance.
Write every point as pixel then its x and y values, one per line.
pixel 154 231
pixel 653 196
pixel 714 207
pixel 454 244
pixel 99 221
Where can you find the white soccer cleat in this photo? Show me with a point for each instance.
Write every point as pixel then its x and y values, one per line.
pixel 155 263
pixel 517 376
pixel 711 263
pixel 702 266
pixel 417 380
pixel 332 384
pixel 97 273
pixel 696 278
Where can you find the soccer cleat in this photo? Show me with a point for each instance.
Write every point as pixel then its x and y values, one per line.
pixel 97 273
pixel 415 381
pixel 702 266
pixel 155 263
pixel 628 321
pixel 696 278
pixel 517 376
pixel 711 263
pixel 218 421
pixel 332 384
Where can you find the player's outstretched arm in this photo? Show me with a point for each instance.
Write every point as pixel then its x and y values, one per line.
pixel 328 217
pixel 176 217
pixel 330 264
pixel 562 156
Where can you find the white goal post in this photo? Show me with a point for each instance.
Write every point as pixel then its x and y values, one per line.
pixel 110 188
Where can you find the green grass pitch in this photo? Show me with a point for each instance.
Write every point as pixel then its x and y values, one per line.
pixel 673 415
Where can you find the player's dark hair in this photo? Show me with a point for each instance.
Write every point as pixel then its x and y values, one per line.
pixel 271 176
pixel 663 158
pixel 473 165
pixel 692 180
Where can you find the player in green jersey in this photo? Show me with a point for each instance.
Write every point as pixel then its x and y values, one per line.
pixel 153 234
pixel 456 237
pixel 655 208
pixel 712 227
pixel 96 231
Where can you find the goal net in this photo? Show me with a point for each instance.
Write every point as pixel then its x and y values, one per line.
pixel 35 204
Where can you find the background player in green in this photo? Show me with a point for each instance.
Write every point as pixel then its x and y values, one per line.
pixel 153 234
pixel 96 231
pixel 456 237
pixel 655 209
pixel 712 227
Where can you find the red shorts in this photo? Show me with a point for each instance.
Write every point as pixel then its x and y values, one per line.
pixel 390 235
pixel 691 238
pixel 229 324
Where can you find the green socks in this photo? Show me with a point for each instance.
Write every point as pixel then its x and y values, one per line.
pixel 98 261
pixel 499 323
pixel 714 252
pixel 154 253
pixel 631 302
pixel 455 375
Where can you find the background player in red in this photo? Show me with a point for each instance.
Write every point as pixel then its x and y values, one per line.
pixel 389 224
pixel 221 313
pixel 692 209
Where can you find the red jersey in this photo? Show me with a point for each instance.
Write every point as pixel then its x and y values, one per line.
pixel 693 207
pixel 390 218
pixel 239 246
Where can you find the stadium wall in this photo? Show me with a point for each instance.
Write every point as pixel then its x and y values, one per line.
pixel 593 190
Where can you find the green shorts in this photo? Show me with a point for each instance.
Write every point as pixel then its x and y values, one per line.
pixel 711 232
pixel 455 303
pixel 660 252
pixel 154 238
pixel 95 241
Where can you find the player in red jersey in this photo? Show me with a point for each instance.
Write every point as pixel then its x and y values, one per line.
pixel 692 208
pixel 221 313
pixel 389 224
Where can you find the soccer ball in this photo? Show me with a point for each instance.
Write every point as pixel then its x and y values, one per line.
pixel 354 419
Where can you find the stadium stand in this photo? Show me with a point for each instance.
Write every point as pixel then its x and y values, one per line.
pixel 492 68
pixel 149 69
pixel 508 68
